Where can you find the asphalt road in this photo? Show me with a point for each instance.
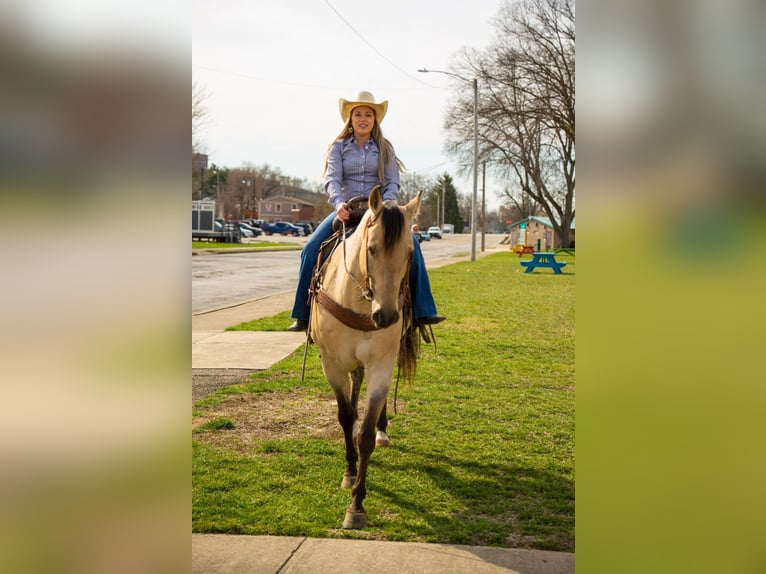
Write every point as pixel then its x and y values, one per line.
pixel 221 280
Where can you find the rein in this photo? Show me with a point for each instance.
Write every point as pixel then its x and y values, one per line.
pixel 365 285
pixel 349 317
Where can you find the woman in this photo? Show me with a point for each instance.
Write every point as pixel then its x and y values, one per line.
pixel 416 233
pixel 356 161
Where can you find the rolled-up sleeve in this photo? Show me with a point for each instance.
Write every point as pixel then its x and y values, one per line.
pixel 334 174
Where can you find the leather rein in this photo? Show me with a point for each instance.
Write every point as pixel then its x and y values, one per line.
pixel 349 317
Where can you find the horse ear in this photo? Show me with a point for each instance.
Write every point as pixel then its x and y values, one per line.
pixel 375 200
pixel 413 207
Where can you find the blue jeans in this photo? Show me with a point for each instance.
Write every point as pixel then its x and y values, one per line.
pixel 423 304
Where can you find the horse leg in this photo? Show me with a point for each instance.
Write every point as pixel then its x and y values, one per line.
pixel 356 517
pixel 381 438
pixel 346 396
pixel 357 376
pixel 347 419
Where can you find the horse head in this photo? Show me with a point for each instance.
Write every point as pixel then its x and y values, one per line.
pixel 386 254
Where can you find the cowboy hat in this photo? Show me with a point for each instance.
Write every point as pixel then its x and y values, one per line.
pixel 362 99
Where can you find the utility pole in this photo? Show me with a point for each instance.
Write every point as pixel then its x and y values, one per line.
pixel 483 212
pixel 443 192
pixel 475 85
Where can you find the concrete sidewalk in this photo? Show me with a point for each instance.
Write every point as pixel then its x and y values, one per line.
pixel 221 358
pixel 230 554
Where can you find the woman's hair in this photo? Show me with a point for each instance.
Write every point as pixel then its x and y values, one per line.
pixel 386 149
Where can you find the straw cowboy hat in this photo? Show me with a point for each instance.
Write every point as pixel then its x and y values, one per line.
pixel 362 99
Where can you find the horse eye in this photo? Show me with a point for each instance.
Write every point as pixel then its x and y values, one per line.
pixel 371 250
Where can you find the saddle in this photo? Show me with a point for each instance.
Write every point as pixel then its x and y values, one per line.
pixel 341 229
pixel 356 207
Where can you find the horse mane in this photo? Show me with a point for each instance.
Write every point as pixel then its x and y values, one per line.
pixel 393 222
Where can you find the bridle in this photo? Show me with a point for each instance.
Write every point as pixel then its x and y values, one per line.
pixel 349 317
pixel 365 284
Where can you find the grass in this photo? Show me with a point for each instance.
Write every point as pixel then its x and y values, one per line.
pixel 482 444
pixel 257 246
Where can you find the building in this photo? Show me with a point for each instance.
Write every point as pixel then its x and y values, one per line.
pixel 199 169
pixel 284 208
pixel 538 232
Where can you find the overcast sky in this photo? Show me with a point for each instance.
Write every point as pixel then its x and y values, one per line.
pixel 274 70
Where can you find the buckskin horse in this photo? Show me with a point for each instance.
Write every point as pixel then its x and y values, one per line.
pixel 361 321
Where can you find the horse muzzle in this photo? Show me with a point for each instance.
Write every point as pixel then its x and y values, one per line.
pixel 385 318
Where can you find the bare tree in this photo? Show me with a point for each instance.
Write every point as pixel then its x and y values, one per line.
pixel 527 105
pixel 199 111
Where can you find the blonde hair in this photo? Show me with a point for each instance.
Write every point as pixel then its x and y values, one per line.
pixel 386 149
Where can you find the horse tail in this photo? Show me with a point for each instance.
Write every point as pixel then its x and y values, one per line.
pixel 409 350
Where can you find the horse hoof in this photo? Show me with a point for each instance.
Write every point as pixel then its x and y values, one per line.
pixel 355 520
pixel 381 439
pixel 348 481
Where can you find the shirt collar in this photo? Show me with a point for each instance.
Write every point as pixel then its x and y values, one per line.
pixel 352 139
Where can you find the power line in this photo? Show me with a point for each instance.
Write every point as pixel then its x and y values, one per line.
pixel 285 83
pixel 429 168
pixel 374 49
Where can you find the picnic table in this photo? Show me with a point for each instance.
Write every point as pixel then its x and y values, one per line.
pixel 523 249
pixel 543 259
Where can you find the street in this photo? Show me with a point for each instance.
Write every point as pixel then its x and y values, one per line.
pixel 224 279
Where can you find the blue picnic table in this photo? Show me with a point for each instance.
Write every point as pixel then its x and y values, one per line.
pixel 543 259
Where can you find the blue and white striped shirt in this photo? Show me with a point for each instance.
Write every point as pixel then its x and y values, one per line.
pixel 353 171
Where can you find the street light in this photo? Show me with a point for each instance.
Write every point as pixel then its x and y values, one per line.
pixel 475 151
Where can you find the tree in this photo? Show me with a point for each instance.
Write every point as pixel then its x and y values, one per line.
pixel 411 183
pixel 527 106
pixel 446 187
pixel 199 111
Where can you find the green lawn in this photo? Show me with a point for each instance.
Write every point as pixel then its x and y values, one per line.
pixel 482 444
pixel 256 246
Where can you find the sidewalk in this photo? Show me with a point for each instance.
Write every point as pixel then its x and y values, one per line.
pixel 230 554
pixel 221 358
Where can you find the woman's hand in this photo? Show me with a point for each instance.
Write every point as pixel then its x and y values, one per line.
pixel 342 212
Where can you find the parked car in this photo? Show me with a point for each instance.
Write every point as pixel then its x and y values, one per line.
pixel 307 227
pixel 283 228
pixel 231 232
pixel 435 232
pixel 245 230
pixel 421 236
pixel 254 230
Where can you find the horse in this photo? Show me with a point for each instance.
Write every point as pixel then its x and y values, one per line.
pixel 362 323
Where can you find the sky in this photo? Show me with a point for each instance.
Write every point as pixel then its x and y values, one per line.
pixel 273 73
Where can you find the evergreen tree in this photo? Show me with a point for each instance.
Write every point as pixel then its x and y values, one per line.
pixel 444 187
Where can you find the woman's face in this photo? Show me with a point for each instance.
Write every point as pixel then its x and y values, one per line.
pixel 362 120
